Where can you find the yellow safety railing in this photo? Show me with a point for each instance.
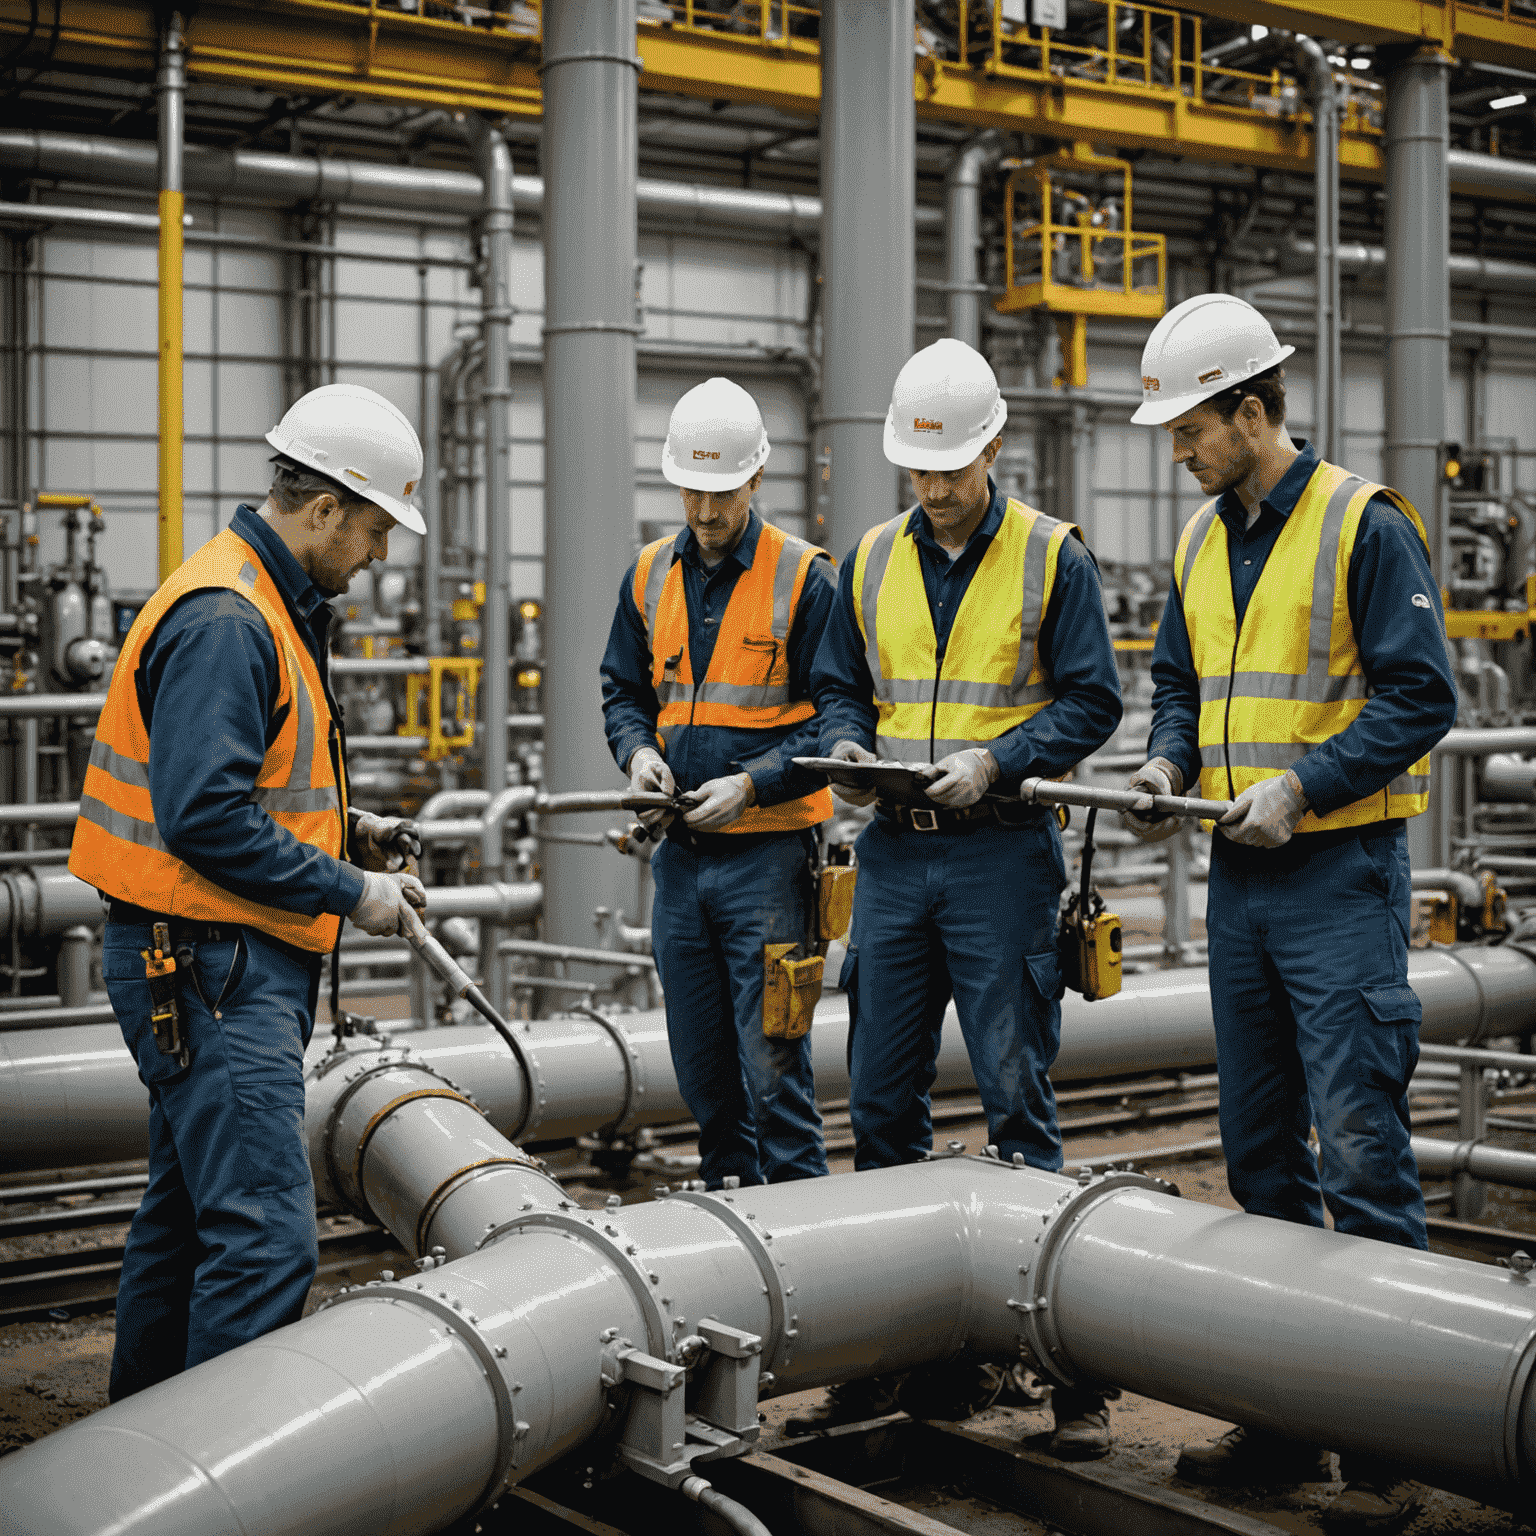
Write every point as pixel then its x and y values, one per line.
pixel 428 686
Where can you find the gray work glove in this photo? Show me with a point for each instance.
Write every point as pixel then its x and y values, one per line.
pixel 383 843
pixel 719 802
pixel 963 778
pixel 1266 813
pixel 852 752
pixel 384 901
pixel 1157 777
pixel 649 775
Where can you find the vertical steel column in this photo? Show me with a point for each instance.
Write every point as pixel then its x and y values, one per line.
pixel 590 163
pixel 962 235
pixel 1327 413
pixel 868 195
pixel 1082 475
pixel 493 160
pixel 1418 256
pixel 171 87
pixel 431 499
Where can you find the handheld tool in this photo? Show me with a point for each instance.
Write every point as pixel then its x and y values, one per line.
pixel 1089 943
pixel 1050 792
pixel 165 1014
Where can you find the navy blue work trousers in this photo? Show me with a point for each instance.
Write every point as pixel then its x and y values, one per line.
pixel 1316 1025
pixel 224 1246
pixel 754 1098
pixel 972 915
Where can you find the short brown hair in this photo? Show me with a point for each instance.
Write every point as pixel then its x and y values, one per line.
pixel 1268 388
pixel 295 485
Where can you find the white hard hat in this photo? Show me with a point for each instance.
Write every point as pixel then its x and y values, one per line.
pixel 358 439
pixel 1201 347
pixel 716 440
pixel 945 408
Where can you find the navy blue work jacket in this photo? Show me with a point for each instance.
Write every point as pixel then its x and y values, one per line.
pixel 698 753
pixel 207 685
pixel 1074 643
pixel 1412 701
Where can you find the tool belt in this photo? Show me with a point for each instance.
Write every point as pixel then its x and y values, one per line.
pixel 183 930
pixel 988 813
pixel 792 973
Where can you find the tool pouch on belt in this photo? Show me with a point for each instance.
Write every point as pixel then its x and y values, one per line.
pixel 834 901
pixel 791 990
pixel 1088 941
pixel 164 1008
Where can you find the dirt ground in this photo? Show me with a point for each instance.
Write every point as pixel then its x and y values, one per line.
pixel 54 1372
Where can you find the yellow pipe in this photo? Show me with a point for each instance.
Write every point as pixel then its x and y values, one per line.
pixel 172 208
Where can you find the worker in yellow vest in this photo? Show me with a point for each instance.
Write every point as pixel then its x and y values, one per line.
pixel 706 689
pixel 1301 671
pixel 969 637
pixel 214 821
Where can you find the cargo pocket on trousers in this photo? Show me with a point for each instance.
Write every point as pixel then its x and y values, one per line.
pixel 1394 1004
pixel 272 1150
pixel 1044 973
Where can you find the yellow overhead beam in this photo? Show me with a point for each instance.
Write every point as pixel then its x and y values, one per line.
pixel 1490 32
pixel 313 47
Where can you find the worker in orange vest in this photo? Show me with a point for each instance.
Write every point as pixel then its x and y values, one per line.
pixel 706 688
pixel 214 821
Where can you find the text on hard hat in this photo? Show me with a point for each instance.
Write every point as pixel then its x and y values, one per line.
pixel 922 424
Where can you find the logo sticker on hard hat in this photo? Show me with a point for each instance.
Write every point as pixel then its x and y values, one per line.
pixel 704 453
pixel 1150 384
pixel 1212 374
pixel 922 424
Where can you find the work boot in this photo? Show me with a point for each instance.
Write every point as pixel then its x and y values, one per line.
pixel 1082 1425
pixel 1382 1504
pixel 850 1402
pixel 1247 1458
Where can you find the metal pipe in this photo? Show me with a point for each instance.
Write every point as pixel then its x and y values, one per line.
pixel 1504 777
pixel 1474 1160
pixel 76 1093
pixel 46 706
pixel 868 150
pixel 1495 171
pixel 1417 253
pixel 1475 742
pixel 1467 891
pixel 590 152
pixel 32 814
pixel 1328 403
pixel 962 233
pixel 493 161
pixel 171 88
pixel 1049 792
pixel 420 1400
pixel 260 176
pixel 1483 272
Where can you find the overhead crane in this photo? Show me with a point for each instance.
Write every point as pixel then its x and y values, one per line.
pixel 1013 77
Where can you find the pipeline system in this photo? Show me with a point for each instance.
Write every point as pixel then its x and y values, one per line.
pixel 535 1327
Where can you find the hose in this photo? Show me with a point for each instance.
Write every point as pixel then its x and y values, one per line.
pixel 735 1515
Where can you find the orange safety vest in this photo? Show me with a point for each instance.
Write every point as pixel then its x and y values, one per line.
pixel 747 685
pixel 117 846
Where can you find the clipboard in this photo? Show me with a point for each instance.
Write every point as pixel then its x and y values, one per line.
pixel 894 783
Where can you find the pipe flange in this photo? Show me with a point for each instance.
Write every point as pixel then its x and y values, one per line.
pixel 777 1286
pixel 1038 1334
pixel 459 1324
pixel 348 1183
pixel 467 1175
pixel 633 1087
pixel 625 1257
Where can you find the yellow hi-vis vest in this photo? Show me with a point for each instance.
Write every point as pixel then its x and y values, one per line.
pixel 1292 678
pixel 117 847
pixel 991 677
pixel 747 685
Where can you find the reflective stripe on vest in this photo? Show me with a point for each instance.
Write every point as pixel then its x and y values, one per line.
pixel 1291 678
pixel 748 683
pixel 991 678
pixel 117 846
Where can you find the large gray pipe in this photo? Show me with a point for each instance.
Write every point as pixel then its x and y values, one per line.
pixel 1480 272
pixel 419 1400
pixel 962 234
pixel 868 182
pixel 304 178
pixel 590 151
pixel 73 1094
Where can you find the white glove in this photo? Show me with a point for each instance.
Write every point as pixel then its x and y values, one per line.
pixel 384 901
pixel 649 775
pixel 719 802
pixel 1156 777
pixel 1266 813
pixel 383 843
pixel 852 752
pixel 963 778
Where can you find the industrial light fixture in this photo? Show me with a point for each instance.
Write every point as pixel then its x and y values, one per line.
pixel 1506 101
pixel 1257 32
pixel 1359 63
